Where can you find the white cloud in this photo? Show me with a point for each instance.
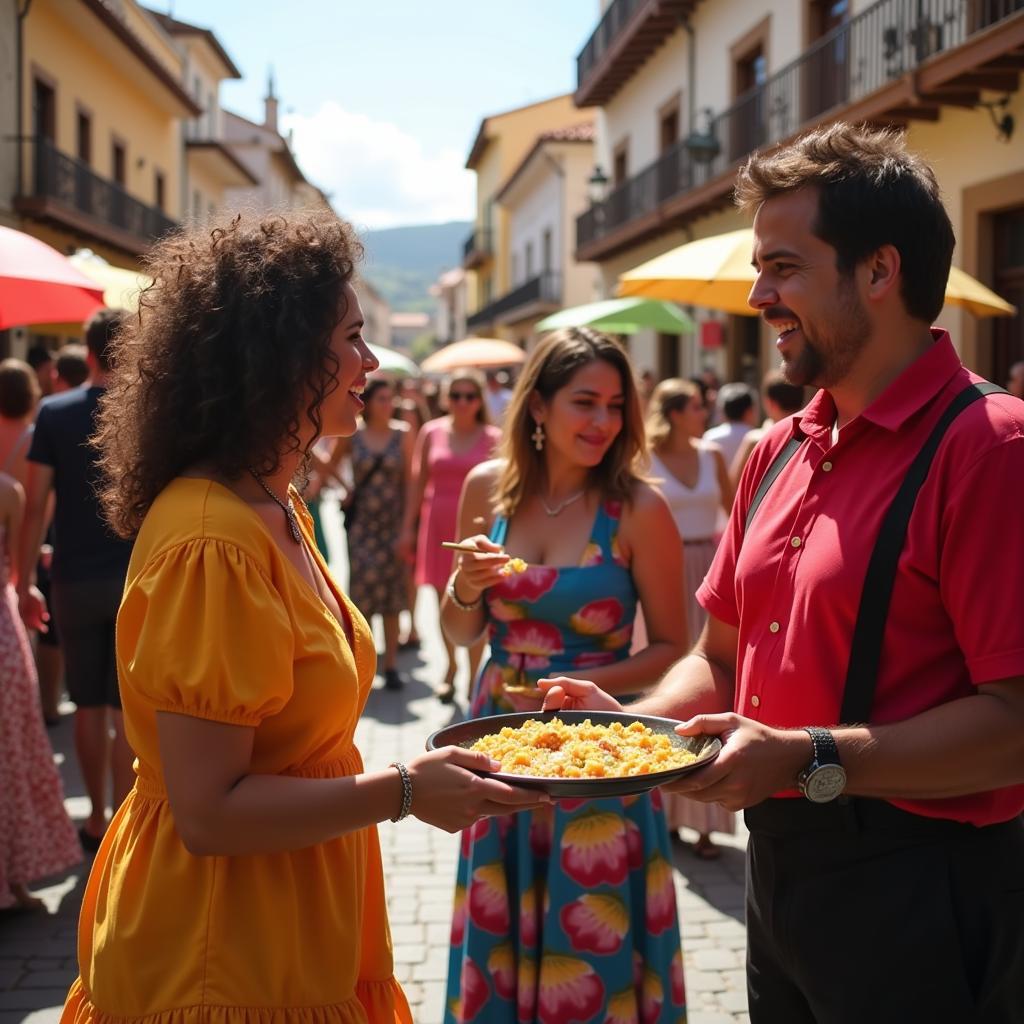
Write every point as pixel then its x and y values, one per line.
pixel 376 175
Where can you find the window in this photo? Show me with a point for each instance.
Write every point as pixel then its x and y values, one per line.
pixel 620 164
pixel 546 251
pixel 668 128
pixel 44 110
pixel 529 261
pixel 159 189
pixel 118 163
pixel 827 74
pixel 83 137
pixel 748 128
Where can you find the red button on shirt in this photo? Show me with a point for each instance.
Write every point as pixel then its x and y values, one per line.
pixel 957 614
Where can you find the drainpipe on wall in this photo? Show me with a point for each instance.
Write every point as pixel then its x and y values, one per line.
pixel 691 73
pixel 19 89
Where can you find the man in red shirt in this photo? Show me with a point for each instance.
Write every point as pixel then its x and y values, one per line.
pixel 886 854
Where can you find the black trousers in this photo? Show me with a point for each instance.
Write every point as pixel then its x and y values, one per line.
pixel 860 912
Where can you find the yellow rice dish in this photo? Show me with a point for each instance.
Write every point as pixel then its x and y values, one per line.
pixel 557 750
pixel 513 565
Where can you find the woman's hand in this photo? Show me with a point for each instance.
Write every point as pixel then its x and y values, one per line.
pixel 447 794
pixel 32 606
pixel 480 569
pixel 406 547
pixel 564 694
pixel 524 698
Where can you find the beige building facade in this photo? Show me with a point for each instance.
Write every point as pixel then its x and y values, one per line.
pixel 542 199
pixel 449 292
pixel 687 89
pixel 210 168
pixel 101 102
pixel 267 155
pixel 502 143
pixel 376 313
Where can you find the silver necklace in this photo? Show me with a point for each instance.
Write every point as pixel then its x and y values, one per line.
pixel 289 509
pixel 562 505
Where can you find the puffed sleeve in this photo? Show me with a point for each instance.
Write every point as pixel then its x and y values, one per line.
pixel 203 631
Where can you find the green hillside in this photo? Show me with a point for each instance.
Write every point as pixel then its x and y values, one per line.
pixel 402 263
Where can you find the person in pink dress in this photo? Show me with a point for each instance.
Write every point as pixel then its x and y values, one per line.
pixel 36 836
pixel 446 450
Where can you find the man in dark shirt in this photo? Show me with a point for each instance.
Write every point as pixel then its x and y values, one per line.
pixel 88 573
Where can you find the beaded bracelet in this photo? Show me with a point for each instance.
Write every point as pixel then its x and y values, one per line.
pixel 406 790
pixel 466 606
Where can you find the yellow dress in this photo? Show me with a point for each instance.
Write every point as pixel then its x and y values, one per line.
pixel 218 624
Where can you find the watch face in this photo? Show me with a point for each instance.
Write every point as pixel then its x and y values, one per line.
pixel 825 783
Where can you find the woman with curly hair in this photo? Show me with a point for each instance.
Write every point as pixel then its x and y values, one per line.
pixel 241 879
pixel 568 913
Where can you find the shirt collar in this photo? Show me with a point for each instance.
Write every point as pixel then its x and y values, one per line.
pixel 917 385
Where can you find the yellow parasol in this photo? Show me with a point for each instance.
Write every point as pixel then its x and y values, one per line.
pixel 715 273
pixel 121 287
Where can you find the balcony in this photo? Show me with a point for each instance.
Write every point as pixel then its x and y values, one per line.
pixel 894 62
pixel 534 298
pixel 626 36
pixel 69 193
pixel 477 249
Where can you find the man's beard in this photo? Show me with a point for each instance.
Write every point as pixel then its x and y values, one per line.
pixel 824 363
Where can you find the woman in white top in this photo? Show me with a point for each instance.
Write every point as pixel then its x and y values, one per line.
pixel 694 478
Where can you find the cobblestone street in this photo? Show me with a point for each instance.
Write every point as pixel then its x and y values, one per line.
pixel 37 953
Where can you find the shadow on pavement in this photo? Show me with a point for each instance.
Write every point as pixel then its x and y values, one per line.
pixel 719 882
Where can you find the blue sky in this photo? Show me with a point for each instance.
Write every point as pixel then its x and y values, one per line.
pixel 385 96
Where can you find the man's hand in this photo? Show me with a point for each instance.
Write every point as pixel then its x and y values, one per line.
pixel 565 694
pixel 32 606
pixel 756 761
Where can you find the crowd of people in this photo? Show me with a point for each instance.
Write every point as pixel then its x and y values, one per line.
pixel 692 550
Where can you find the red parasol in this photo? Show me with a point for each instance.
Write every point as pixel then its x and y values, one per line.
pixel 39 286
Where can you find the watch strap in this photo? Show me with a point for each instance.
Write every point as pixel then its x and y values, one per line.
pixel 826 750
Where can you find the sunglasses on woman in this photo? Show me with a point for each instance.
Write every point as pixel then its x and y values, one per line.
pixel 463 396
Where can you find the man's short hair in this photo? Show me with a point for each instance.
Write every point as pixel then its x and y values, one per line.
pixel 871 192
pixel 38 355
pixel 19 389
pixel 788 397
pixel 71 365
pixel 100 331
pixel 735 400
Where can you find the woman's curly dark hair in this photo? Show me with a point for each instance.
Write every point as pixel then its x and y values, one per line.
pixel 227 357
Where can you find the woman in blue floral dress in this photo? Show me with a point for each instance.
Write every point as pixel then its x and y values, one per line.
pixel 567 914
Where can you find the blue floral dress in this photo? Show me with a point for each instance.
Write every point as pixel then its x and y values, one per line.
pixel 566 915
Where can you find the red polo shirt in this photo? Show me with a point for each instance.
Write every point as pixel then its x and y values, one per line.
pixel 793 585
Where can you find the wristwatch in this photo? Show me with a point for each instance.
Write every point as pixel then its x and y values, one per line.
pixel 824 778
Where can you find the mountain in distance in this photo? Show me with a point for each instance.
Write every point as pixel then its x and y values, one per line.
pixel 402 263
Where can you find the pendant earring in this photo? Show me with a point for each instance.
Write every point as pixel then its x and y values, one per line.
pixel 538 437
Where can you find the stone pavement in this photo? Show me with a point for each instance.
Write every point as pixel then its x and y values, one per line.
pixel 37 952
pixel 419 866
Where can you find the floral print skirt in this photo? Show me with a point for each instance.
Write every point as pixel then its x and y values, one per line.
pixel 567 915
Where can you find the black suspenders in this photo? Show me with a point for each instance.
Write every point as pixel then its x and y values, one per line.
pixel 869 632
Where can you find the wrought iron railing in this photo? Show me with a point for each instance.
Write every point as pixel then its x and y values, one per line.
pixel 479 241
pixel 545 287
pixel 73 183
pixel 851 62
pixel 611 24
